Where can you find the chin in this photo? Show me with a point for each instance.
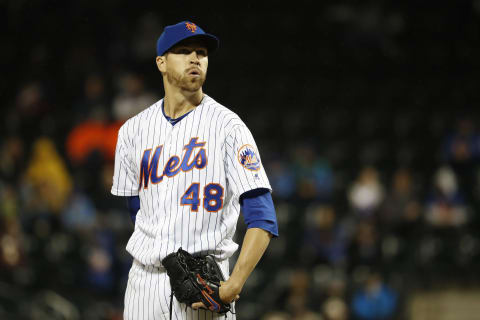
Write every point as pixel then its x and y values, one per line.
pixel 193 86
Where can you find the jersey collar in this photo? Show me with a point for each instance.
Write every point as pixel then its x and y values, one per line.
pixel 174 121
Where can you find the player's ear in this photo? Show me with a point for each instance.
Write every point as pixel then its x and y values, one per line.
pixel 160 60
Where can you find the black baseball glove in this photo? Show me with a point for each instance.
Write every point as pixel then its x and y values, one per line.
pixel 195 279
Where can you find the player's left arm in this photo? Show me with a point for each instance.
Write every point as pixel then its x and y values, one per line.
pixel 260 218
pixel 254 245
pixel 248 179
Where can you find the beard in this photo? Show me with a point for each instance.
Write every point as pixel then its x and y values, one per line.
pixel 185 82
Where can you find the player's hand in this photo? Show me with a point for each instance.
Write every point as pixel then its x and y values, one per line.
pixel 228 293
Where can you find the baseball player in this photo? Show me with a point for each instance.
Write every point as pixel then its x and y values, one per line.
pixel 188 166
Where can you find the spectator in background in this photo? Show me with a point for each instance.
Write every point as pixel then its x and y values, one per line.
pixel 314 176
pixel 80 214
pixel 12 240
pixel 132 97
pixel 445 206
pixel 12 161
pixel 446 213
pixel 282 178
pixel 12 249
pixel 365 247
pixel 32 109
pixel 96 136
pixel 100 273
pixel 48 177
pixel 400 220
pixel 276 315
pixel 91 142
pixel 366 193
pixel 333 297
pixel 299 297
pixel 325 239
pixel 401 207
pixel 45 191
pixel 375 300
pixel 146 33
pixel 94 99
pixel 461 149
pixel 335 308
pixel 87 138
pixel 313 183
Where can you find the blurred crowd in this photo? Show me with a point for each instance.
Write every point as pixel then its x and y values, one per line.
pixel 374 169
pixel 356 249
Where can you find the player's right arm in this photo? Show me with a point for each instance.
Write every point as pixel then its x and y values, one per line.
pixel 124 176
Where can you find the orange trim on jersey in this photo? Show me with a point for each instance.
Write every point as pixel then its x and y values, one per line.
pixel 160 179
pixel 140 182
pixel 191 198
pixel 216 202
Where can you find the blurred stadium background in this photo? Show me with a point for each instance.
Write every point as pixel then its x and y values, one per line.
pixel 365 113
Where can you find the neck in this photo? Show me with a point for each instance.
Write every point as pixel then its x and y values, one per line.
pixel 179 102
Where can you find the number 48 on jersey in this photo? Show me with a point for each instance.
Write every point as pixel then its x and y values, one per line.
pixel 212 197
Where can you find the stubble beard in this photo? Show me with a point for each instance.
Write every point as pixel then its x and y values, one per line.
pixel 184 82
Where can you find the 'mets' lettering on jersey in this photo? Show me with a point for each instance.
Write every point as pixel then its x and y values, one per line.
pixel 149 165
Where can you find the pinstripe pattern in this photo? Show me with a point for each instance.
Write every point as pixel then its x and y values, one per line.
pixel 162 224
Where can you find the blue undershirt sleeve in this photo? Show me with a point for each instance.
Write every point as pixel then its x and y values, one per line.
pixel 259 211
pixel 133 204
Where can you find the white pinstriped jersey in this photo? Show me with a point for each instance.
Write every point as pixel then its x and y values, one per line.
pixel 189 178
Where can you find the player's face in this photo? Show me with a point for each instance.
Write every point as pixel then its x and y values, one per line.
pixel 186 65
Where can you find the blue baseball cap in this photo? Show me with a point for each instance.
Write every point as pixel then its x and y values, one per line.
pixel 173 34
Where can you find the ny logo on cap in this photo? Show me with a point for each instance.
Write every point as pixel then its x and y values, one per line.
pixel 191 26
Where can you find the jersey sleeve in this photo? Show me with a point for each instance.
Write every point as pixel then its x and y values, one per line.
pixel 243 164
pixel 124 177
